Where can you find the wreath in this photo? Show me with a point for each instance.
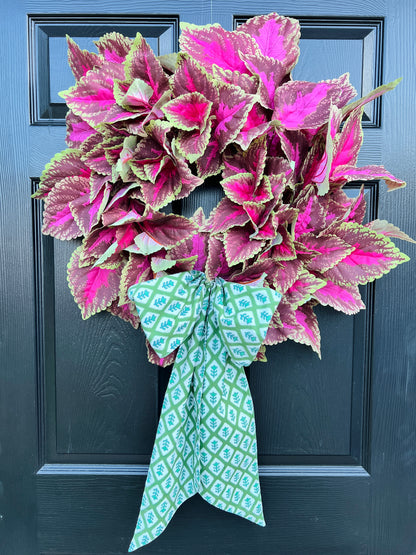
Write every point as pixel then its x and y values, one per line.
pixel 144 131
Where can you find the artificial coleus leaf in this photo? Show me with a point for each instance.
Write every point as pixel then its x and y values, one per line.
pixel 256 125
pixel 81 61
pixel 305 105
pixel 383 227
pixel 303 288
pixel 188 111
pixel 345 298
pixel 114 47
pixel 373 255
pixel 92 97
pixel 190 77
pixel 277 37
pixel 136 270
pixel 77 130
pixel 270 72
pixel 305 329
pixel 93 288
pixel 238 246
pixel 169 230
pixel 217 264
pixel 64 164
pixel 58 219
pixel 242 188
pixel 370 96
pixel 330 248
pixel 300 325
pixel 212 45
pixel 125 312
pixel 252 160
pixel 87 212
pixel 351 173
pixel 227 214
pixel 154 358
pixel 141 63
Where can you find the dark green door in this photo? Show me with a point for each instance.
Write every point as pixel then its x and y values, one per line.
pixel 78 400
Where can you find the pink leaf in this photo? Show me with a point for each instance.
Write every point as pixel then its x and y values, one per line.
pixel 239 247
pixel 190 77
pixel 78 130
pixel 331 250
pixel 302 289
pixel 345 298
pixel 93 288
pixel 188 111
pixel 227 214
pixel 114 47
pixel 370 96
pixel 67 163
pixel 242 188
pixel 136 270
pixel 58 219
pixel 351 173
pixel 81 61
pixel 141 63
pixel 276 36
pixel 211 44
pixel 373 255
pixel 305 105
pixel 86 212
pixel 93 96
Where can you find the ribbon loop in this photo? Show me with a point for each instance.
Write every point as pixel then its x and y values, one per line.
pixel 243 319
pixel 206 437
pixel 168 307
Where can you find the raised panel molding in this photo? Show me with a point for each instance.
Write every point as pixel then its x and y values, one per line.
pixel 363 52
pixel 47 35
pixel 55 413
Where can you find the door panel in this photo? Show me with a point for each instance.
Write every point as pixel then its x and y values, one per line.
pixel 335 436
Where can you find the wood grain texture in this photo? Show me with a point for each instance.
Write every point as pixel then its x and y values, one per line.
pixel 314 516
pixel 393 445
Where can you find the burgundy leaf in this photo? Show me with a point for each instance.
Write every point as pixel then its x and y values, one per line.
pixel 239 247
pixel 302 289
pixel 77 130
pixel 351 173
pixel 81 61
pixel 331 250
pixel 136 270
pixel 67 163
pixel 227 214
pixel 93 288
pixel 345 298
pixel 58 219
pixel 373 255
pixel 125 312
pixel 169 230
pixel 141 63
pixel 114 47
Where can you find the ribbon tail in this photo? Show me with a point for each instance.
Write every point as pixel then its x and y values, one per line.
pixel 228 458
pixel 171 476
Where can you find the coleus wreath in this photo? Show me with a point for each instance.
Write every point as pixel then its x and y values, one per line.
pixel 144 131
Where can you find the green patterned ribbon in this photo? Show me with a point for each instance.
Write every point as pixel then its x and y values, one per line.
pixel 206 437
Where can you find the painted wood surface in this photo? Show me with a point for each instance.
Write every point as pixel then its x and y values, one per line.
pixel 79 402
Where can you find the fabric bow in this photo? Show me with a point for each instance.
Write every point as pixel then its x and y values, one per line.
pixel 206 437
